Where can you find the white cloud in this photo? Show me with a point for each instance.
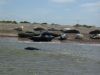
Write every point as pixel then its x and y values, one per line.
pixel 97 4
pixel 92 7
pixel 62 1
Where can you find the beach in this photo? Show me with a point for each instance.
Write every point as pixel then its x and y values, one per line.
pixel 7 30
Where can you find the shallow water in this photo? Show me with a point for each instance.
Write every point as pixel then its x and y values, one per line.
pixel 51 59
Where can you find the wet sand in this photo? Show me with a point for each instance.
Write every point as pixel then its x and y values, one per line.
pixel 87 41
pixel 8 35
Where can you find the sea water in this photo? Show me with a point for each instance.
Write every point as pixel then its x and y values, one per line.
pixel 53 58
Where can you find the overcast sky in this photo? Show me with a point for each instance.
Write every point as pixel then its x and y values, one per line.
pixel 52 11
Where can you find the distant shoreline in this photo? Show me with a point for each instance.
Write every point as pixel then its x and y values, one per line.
pixel 7 30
